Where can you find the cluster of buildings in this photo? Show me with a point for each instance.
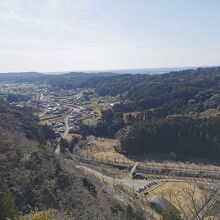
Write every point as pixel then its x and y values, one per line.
pixel 55 109
pixel 53 105
pixel 21 93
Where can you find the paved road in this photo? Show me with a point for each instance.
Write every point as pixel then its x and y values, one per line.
pixel 41 96
pixel 134 184
pixel 66 132
pixel 134 167
pixel 67 127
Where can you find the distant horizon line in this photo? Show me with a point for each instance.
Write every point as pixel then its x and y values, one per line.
pixel 127 69
pixel 120 70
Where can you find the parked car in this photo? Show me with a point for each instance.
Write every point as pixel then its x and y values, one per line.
pixel 138 176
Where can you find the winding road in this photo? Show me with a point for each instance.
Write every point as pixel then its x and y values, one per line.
pixel 64 135
pixel 67 127
pixel 134 184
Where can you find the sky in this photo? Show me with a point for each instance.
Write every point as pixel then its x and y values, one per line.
pixel 75 35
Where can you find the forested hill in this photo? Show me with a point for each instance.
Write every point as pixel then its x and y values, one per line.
pixel 66 81
pixel 175 112
pixel 112 83
pixel 138 87
pixel 33 178
pixel 23 121
pixel 175 88
pixel 180 113
pixel 151 106
pixel 183 135
pixel 21 77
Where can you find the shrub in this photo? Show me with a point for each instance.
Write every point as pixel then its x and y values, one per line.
pixel 37 216
pixel 7 204
pixel 171 214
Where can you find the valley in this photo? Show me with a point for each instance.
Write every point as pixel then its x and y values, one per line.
pixel 89 130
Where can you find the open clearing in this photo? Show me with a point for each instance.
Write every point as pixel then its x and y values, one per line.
pixel 188 197
pixel 103 149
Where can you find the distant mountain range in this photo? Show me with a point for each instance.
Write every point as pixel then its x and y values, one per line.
pixel 150 71
pixel 131 71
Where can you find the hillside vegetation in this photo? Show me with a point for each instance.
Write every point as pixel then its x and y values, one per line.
pixel 173 112
pixel 176 112
pixel 33 178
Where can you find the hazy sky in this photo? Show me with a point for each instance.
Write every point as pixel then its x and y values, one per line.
pixel 59 35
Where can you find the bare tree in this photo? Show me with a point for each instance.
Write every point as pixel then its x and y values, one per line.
pixel 192 204
pixel 191 200
pixel 178 200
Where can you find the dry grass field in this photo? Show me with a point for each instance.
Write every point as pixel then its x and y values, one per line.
pixel 47 98
pixel 188 197
pixel 91 121
pixel 46 118
pixel 211 218
pixel 103 149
